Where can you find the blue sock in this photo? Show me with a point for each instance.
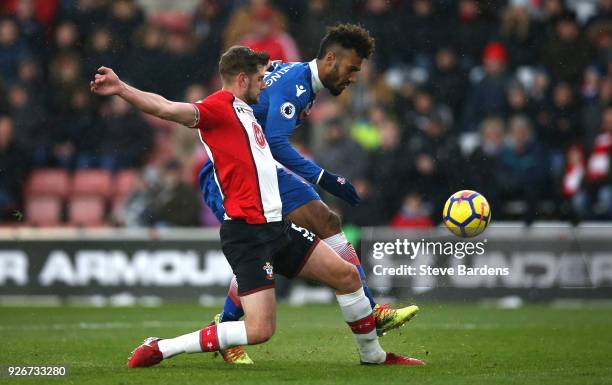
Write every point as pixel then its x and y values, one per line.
pixel 231 311
pixel 366 289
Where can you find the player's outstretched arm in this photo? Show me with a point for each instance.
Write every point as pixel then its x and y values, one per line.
pixel 107 83
pixel 282 116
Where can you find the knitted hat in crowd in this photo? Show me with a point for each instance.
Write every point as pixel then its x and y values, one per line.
pixel 495 51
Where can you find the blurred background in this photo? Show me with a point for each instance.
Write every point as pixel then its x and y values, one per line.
pixel 509 98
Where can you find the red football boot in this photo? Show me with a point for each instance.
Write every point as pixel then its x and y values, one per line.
pixel 147 354
pixel 396 359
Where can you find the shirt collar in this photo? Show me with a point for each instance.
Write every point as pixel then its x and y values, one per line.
pixel 242 103
pixel 314 76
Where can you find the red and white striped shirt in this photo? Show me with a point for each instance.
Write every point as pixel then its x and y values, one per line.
pixel 244 168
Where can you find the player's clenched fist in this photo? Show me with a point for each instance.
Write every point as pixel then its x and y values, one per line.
pixel 106 82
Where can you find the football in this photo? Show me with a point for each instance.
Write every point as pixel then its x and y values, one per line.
pixel 466 213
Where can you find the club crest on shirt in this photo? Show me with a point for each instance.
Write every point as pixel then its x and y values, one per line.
pixel 260 138
pixel 287 109
pixel 269 271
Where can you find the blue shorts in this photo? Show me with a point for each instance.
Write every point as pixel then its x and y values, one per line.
pixel 294 191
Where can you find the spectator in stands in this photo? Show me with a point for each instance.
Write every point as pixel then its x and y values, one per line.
pixel 367 132
pixel 425 107
pixel 78 132
pixel 45 11
pixel 101 50
pixel 137 210
pixel 388 170
pixel 64 76
pixel 435 154
pixel 563 128
pixel 562 132
pixel 599 35
pixel 12 49
pixel 31 29
pixel 488 96
pixel 29 119
pixel 127 138
pixel 566 53
pixel 29 75
pixel 67 38
pixel 86 14
pixel 573 179
pixel 540 96
pixel 427 32
pixel 551 11
pixel 522 172
pixel 319 14
pixel 14 166
pixel 189 149
pixel 179 54
pixel 602 14
pixel 593 105
pixel 594 201
pixel 242 19
pixel 447 81
pixel 472 31
pixel 380 18
pixel 370 89
pixel 265 36
pixel 341 152
pixel 519 34
pixel 517 101
pixel 413 213
pixel 124 18
pixel 176 204
pixel 483 163
pixel 369 213
pixel 142 62
pixel 209 20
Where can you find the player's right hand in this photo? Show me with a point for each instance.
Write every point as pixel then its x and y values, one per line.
pixel 340 187
pixel 106 82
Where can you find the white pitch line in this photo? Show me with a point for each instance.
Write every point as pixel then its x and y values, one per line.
pixel 192 324
pixel 102 325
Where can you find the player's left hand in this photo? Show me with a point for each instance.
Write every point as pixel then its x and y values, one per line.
pixel 339 186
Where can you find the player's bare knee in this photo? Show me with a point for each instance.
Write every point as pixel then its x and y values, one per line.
pixel 349 280
pixel 267 332
pixel 259 331
pixel 261 334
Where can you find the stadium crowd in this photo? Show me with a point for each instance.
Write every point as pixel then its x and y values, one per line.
pixel 510 98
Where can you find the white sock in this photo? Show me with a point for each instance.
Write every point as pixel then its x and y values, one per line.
pixel 187 343
pixel 356 307
pixel 343 248
pixel 231 334
pixel 336 241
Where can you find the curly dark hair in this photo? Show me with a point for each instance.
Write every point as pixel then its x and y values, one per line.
pixel 348 36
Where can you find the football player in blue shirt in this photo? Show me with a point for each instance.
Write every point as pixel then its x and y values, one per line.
pixel 291 88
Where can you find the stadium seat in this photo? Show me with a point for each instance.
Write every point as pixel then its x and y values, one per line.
pixel 92 182
pixel 124 183
pixel 86 211
pixel 48 182
pixel 43 210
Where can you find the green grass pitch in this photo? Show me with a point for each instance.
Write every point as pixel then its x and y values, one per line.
pixel 462 344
